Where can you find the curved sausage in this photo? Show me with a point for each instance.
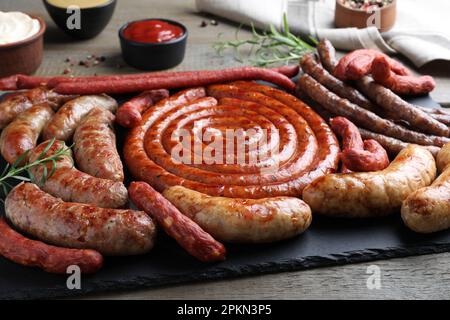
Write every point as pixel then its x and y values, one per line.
pixel 75 225
pixel 374 194
pixel 391 145
pixel 22 134
pixel 129 114
pixel 243 220
pixel 14 105
pixel 95 146
pixel 362 117
pixel 358 63
pixel 32 253
pixel 185 231
pixel 72 185
pixel 65 121
pixel 428 210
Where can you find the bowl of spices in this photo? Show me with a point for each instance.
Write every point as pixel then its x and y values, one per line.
pixel 81 19
pixel 153 44
pixel 366 13
pixel 21 43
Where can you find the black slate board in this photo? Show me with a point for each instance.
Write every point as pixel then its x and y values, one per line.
pixel 327 242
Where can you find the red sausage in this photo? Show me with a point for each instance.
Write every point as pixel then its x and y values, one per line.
pixel 129 114
pixel 17 248
pixel 193 78
pixel 185 231
pixel 31 82
pixel 288 71
pixel 357 155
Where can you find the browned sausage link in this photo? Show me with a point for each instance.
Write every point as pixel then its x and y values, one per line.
pixel 65 121
pixel 72 185
pixel 32 253
pixel 22 134
pixel 327 55
pixel 129 114
pixel 12 106
pixel 362 117
pixel 185 231
pixel 76 225
pixel 315 70
pixel 8 83
pixel 389 101
pixel 393 146
pixel 95 146
pixel 142 161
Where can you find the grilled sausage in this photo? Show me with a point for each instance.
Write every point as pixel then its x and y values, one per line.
pixel 185 231
pixel 428 209
pixel 129 114
pixel 362 117
pixel 81 226
pixel 243 220
pixel 17 103
pixel 391 145
pixel 374 194
pixel 32 253
pixel 315 70
pixel 72 185
pixel 95 146
pixel 357 155
pixel 65 121
pixel 22 134
pixel 307 145
pixel 327 54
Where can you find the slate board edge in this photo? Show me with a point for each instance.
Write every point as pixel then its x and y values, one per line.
pixel 310 262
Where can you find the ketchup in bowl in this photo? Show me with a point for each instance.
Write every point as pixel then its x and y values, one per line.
pixel 152 31
pixel 153 44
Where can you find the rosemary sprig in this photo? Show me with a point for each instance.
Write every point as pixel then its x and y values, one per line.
pixel 268 47
pixel 12 172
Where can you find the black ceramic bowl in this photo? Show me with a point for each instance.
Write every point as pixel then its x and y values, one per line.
pixel 93 20
pixel 153 56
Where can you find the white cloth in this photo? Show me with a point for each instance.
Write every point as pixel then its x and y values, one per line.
pixel 421 33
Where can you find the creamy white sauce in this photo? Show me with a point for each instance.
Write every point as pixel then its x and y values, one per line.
pixel 17 26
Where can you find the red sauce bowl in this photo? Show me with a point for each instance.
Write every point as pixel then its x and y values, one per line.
pixel 150 54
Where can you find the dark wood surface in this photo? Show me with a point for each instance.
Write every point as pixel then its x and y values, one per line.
pixel 416 277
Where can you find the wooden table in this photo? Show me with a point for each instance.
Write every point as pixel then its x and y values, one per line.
pixel 415 277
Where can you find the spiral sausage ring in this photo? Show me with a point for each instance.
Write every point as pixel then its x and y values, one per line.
pixel 305 148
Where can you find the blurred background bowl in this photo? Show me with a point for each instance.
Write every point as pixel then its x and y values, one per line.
pixel 93 19
pixel 346 17
pixel 23 56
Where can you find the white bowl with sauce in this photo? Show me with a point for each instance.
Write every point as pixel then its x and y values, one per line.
pixel 21 43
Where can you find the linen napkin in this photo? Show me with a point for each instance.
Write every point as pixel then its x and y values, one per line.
pixel 421 32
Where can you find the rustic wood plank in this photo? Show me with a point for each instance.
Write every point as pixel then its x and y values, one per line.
pixel 415 277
